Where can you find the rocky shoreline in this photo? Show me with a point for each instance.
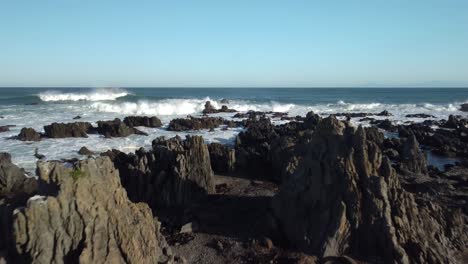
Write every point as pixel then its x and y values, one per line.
pixel 312 190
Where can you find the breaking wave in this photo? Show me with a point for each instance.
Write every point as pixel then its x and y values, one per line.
pixel 92 95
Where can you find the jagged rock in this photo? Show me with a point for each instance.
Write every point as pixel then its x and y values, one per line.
pixel 384 124
pixel 209 109
pixel 116 128
pixel 175 173
pixel 412 157
pixel 28 134
pixel 77 117
pixel 85 151
pixel 464 107
pixel 419 116
pixel 62 130
pixel 13 180
pixel 83 215
pixel 348 199
pixel 192 123
pixel 222 158
pixel 133 121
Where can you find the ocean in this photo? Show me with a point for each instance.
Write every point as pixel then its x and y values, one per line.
pixel 36 107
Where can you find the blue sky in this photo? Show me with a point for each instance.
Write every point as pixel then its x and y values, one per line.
pixel 234 43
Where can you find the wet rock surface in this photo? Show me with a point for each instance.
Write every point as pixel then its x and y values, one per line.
pixel 194 123
pixel 29 134
pixel 116 128
pixel 62 130
pixel 145 121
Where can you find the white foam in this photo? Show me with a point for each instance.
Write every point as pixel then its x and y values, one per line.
pixel 93 95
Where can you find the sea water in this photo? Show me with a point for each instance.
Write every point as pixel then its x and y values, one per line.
pixel 37 107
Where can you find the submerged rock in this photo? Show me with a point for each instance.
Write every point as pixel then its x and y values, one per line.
pixel 84 216
pixel 133 121
pixel 62 130
pixel 348 199
pixel 419 116
pixel 28 134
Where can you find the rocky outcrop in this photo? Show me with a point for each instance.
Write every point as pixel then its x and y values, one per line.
pixel 174 174
pixel 4 129
pixel 28 134
pixel 192 123
pixel 412 158
pixel 83 215
pixel 145 121
pixel 62 130
pixel 222 158
pixel 116 128
pixel 13 180
pixel 348 200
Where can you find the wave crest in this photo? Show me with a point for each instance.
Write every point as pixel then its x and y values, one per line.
pixel 92 95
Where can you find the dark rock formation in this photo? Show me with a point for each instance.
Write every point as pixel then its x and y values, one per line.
pixel 62 130
pixel 348 200
pixel 419 116
pixel 412 157
pixel 226 101
pixel 116 128
pixel 77 117
pixel 192 123
pixel 4 129
pixel 28 134
pixel 384 113
pixel 175 173
pixel 85 216
pixel 85 151
pixel 464 107
pixel 210 109
pixel 133 121
pixel 222 158
pixel 384 124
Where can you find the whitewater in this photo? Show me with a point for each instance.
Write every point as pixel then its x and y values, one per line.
pixel 37 108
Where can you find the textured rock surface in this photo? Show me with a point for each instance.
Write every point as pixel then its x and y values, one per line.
pixel 133 121
pixel 192 123
pixel 13 180
pixel 222 158
pixel 28 134
pixel 86 218
pixel 174 174
pixel 62 130
pixel 348 199
pixel 85 151
pixel 116 128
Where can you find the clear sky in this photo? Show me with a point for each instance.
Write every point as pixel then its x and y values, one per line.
pixel 234 43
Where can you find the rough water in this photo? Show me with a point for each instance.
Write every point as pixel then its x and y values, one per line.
pixel 36 107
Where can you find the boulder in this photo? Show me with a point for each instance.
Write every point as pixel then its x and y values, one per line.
pixel 85 151
pixel 222 158
pixel 145 121
pixel 28 134
pixel 209 109
pixel 384 113
pixel 348 199
pixel 192 123
pixel 464 107
pixel 4 129
pixel 83 215
pixel 62 130
pixel 116 128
